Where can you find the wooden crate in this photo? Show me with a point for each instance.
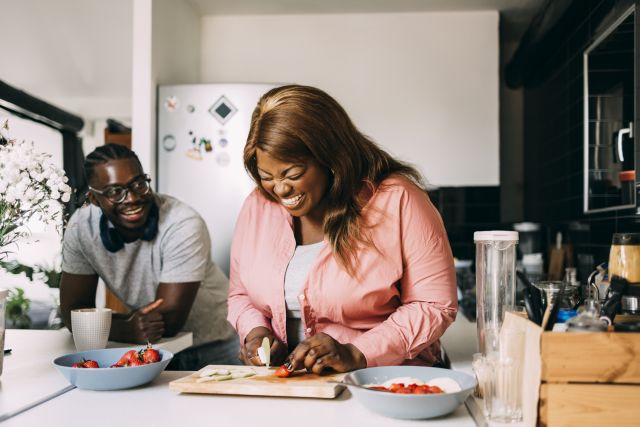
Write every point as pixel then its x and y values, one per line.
pixel 590 379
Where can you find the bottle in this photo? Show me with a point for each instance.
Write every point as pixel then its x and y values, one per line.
pixel 495 282
pixel 572 296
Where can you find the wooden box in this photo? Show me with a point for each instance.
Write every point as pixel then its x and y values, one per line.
pixel 590 379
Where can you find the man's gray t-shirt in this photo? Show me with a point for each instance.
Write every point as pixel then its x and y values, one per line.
pixel 180 252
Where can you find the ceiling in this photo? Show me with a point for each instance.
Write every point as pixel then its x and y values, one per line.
pixel 516 14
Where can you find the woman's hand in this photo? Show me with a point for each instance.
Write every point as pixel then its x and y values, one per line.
pixel 321 352
pixel 253 341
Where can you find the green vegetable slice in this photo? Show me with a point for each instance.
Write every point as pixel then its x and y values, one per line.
pixel 266 348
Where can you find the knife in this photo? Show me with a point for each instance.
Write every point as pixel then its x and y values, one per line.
pixel 476 413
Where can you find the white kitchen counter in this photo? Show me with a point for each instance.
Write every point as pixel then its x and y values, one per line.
pixel 29 375
pixel 156 405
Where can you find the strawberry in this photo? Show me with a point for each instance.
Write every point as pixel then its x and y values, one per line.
pixel 150 354
pixel 135 361
pixel 78 364
pixel 91 364
pixel 282 371
pixel 124 360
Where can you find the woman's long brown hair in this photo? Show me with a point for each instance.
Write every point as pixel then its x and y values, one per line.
pixel 293 123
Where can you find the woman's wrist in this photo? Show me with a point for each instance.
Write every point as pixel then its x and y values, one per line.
pixel 258 331
pixel 359 359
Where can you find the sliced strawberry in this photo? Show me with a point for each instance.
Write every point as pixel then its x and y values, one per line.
pixel 124 360
pixel 78 365
pixel 282 372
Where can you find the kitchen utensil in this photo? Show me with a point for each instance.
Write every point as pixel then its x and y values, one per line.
pixel 629 304
pixel 556 259
pixel 592 282
pixel 106 378
pixel 475 411
pixel 554 308
pixel 408 406
pixel 263 383
pixel 618 286
pixel 532 299
pixel 495 279
pixel 588 318
pixel 349 383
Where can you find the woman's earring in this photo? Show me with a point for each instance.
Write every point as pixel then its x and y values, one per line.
pixel 332 172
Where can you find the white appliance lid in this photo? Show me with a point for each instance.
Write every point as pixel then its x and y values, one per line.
pixel 500 235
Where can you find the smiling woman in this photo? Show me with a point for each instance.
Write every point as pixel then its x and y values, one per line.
pixel 339 258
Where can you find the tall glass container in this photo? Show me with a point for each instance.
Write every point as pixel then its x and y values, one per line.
pixel 495 282
pixel 3 298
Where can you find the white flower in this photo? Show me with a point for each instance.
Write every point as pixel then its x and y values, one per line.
pixel 30 186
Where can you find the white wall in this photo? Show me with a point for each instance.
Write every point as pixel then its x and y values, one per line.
pixel 75 54
pixel 166 50
pixel 424 85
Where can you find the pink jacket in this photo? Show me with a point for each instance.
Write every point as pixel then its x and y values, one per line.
pixel 402 301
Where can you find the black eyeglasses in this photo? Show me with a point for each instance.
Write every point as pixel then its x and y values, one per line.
pixel 118 193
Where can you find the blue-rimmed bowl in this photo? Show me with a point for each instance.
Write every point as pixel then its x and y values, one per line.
pixel 106 378
pixel 409 406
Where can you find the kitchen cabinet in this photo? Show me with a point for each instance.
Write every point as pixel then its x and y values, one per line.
pixel 610 123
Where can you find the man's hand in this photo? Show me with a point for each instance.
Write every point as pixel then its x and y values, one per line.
pixel 146 324
pixel 253 341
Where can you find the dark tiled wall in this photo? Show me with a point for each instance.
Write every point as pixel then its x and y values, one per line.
pixel 553 145
pixel 465 210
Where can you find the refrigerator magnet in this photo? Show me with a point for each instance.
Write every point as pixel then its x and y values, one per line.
pixel 223 159
pixel 171 104
pixel 190 108
pixel 169 142
pixel 223 142
pixel 207 144
pixel 194 153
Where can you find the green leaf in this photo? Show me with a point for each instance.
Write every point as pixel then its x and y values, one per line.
pixel 17 308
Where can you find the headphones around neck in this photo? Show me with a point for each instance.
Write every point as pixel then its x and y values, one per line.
pixel 113 240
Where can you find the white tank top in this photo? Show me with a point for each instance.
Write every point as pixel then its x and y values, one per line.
pixel 297 271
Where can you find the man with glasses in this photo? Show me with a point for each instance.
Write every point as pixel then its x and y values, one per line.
pixel 154 253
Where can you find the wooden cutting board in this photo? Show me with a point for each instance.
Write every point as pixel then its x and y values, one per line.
pixel 264 383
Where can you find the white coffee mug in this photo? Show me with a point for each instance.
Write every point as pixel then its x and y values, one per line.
pixel 91 328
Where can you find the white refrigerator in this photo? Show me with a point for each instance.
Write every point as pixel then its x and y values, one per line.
pixel 202 130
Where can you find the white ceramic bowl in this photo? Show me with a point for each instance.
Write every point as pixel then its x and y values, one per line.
pixel 106 378
pixel 409 406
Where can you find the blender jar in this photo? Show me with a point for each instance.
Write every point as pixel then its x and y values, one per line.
pixel 495 282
